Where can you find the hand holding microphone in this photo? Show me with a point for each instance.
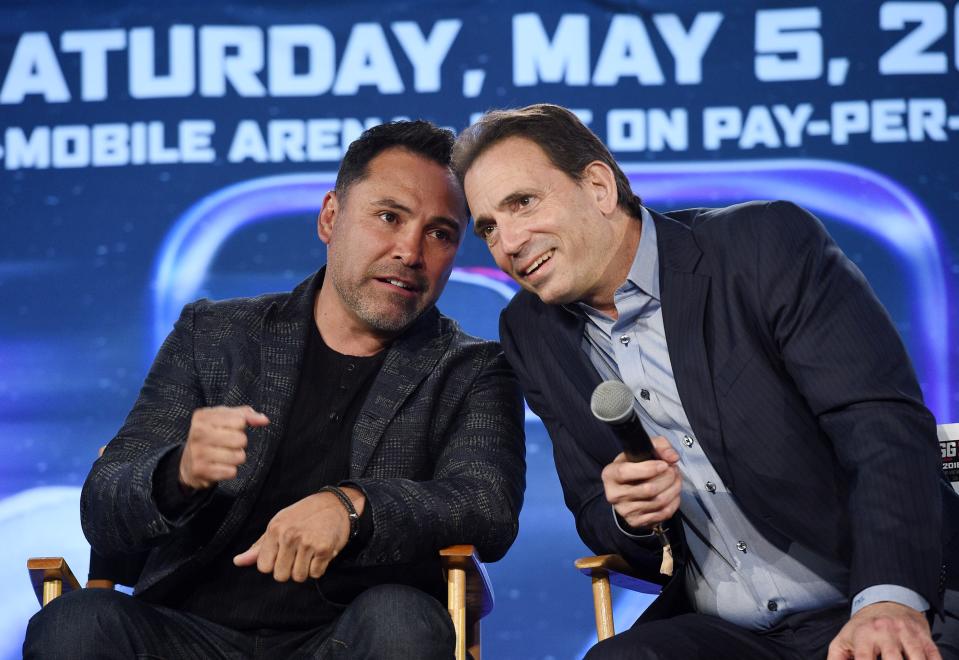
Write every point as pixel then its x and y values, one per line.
pixel 643 483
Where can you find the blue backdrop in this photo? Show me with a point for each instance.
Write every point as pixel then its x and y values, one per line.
pixel 153 155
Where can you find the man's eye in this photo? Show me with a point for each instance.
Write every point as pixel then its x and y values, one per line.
pixel 487 232
pixel 388 216
pixel 442 235
pixel 522 202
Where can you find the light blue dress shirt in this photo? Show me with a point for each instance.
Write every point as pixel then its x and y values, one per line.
pixel 732 571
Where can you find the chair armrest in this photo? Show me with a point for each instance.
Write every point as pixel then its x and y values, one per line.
pixel 618 571
pixel 479 588
pixel 51 577
pixel 469 596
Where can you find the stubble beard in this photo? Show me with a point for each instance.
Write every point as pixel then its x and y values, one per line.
pixel 382 316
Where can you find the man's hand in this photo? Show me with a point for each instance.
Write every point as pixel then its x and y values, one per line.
pixel 645 493
pixel 302 539
pixel 216 444
pixel 885 629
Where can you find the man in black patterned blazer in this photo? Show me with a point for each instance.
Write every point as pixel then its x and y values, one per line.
pixel 295 461
pixel 795 466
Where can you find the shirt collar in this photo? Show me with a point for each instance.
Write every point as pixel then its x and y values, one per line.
pixel 644 273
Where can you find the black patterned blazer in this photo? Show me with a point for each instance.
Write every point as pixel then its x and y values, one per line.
pixel 438 446
pixel 796 385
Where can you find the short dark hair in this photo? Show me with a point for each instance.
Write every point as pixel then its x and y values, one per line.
pixel 567 142
pixel 420 137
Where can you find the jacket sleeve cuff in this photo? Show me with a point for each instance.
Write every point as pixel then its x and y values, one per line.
pixel 172 501
pixel 891 593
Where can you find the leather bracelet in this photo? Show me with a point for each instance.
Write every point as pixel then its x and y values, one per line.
pixel 350 509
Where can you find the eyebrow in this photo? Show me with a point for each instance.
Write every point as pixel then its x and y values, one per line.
pixel 391 203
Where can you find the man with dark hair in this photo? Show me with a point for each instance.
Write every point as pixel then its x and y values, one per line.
pixel 295 461
pixel 795 466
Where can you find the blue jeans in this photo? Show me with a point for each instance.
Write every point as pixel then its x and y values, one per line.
pixel 386 621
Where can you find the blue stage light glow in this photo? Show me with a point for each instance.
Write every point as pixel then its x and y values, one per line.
pixel 854 195
pixel 851 194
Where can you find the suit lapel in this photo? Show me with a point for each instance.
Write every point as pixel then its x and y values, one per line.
pixel 564 339
pixel 282 344
pixel 408 361
pixel 684 295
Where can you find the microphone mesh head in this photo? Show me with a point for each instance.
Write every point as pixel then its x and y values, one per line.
pixel 612 402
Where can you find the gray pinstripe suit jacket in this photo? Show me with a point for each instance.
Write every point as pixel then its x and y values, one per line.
pixel 796 385
pixel 438 447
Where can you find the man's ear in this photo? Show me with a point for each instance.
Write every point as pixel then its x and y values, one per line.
pixel 327 217
pixel 601 181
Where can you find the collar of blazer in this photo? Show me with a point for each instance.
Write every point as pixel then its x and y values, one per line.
pixel 409 359
pixel 684 289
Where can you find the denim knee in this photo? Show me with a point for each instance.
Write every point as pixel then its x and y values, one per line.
pixel 73 625
pixel 395 621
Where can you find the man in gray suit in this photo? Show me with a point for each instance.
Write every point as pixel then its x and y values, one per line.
pixel 295 461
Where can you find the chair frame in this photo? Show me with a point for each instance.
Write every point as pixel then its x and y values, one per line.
pixel 469 590
pixel 603 571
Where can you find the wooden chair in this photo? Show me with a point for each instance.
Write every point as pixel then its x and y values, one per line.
pixel 469 590
pixel 469 596
pixel 605 570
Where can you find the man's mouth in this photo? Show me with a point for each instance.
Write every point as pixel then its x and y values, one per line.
pixel 400 284
pixel 533 267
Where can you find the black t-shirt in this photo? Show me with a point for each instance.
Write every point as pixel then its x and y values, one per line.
pixel 314 452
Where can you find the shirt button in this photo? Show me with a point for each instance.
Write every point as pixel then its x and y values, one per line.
pixel 772 606
pixel 624 340
pixel 687 441
pixel 711 487
pixel 644 395
pixel 334 417
pixel 350 366
pixel 741 546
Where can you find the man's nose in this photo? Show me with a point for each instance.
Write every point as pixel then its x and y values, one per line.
pixel 409 248
pixel 512 237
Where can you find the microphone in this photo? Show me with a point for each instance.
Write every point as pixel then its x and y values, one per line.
pixel 612 402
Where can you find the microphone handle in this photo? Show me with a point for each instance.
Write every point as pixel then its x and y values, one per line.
pixel 637 449
pixel 637 456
